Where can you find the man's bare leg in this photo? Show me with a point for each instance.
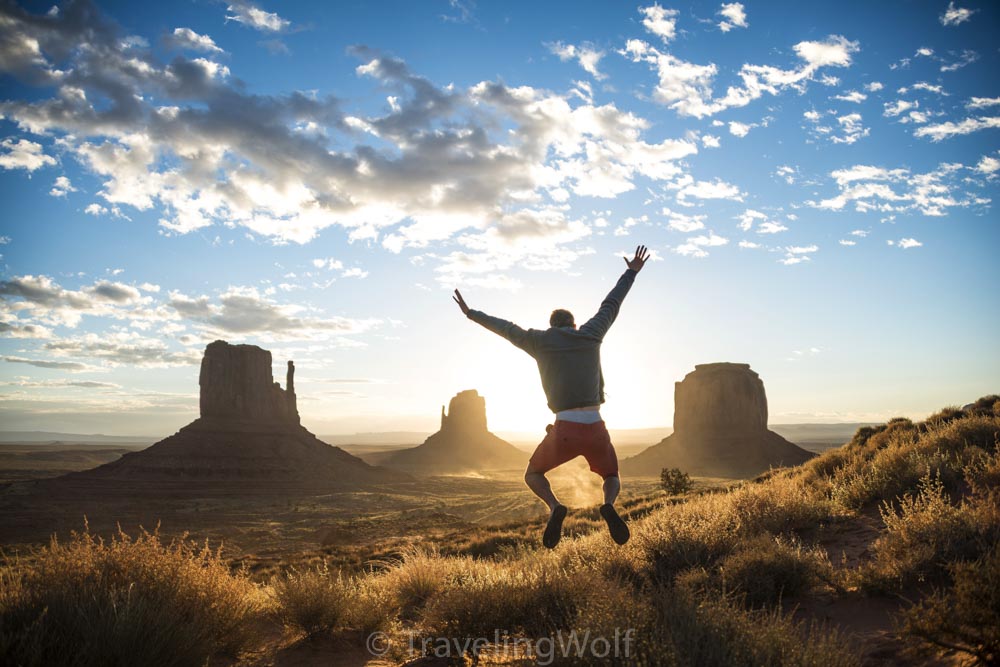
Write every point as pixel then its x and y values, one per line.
pixel 539 484
pixel 616 526
pixel 612 485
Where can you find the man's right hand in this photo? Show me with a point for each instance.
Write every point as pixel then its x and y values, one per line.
pixel 461 302
pixel 637 262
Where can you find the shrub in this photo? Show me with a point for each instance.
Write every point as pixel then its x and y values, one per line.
pixel 372 606
pixel 925 533
pixel 125 601
pixel 313 601
pixel 417 576
pixel 762 571
pixel 674 481
pixel 965 618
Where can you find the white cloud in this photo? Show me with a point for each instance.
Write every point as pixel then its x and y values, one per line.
pixel 982 102
pixel 771 227
pixel 717 189
pixel 61 187
pixel 186 38
pixel 749 244
pixel 23 154
pixel 847 242
pixel 893 191
pixel 659 21
pixel 586 55
pixel 860 232
pixel 874 86
pixel 851 129
pixel 735 16
pixel 748 217
pixel 905 243
pixel 801 250
pixel 709 141
pixel 988 165
pixel 855 96
pixel 950 129
pixel 687 87
pixel 924 52
pixel 695 245
pixel 956 15
pixel 739 129
pixel 254 17
pixel 893 109
pixel 682 222
pixel 967 57
pixel 812 115
pixel 787 173
pixel 789 260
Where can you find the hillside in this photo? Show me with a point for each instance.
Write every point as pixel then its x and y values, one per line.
pixel 883 551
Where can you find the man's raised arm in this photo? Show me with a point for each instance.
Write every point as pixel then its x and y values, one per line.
pixel 515 334
pixel 599 324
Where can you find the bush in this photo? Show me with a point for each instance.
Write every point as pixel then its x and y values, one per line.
pixel 313 601
pixel 125 602
pixel 965 618
pixel 674 481
pixel 761 572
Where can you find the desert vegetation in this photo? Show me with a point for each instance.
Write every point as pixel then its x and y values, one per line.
pixel 905 513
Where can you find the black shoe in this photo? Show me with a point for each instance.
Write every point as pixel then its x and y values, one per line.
pixel 617 528
pixel 553 531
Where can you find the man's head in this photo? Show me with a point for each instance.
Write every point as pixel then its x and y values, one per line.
pixel 561 318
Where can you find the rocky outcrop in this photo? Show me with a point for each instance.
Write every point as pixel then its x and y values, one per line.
pixel 463 444
pixel 248 433
pixel 720 428
pixel 236 384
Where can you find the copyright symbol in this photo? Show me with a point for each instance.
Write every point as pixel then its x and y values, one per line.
pixel 377 643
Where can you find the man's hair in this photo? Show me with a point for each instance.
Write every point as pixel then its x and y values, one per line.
pixel 561 318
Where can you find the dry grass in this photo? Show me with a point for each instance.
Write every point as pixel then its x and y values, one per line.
pixel 125 601
pixel 700 583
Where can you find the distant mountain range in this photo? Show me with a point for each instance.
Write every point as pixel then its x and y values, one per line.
pixel 809 436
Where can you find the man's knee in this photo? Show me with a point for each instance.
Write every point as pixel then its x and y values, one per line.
pixel 532 474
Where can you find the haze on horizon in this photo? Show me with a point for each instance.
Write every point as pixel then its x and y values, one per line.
pixel 816 184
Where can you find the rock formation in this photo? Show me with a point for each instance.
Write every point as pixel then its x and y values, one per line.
pixel 248 432
pixel 463 444
pixel 720 428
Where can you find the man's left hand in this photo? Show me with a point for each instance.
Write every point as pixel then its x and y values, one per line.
pixel 461 302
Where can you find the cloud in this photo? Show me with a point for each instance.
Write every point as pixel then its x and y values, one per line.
pixel 988 165
pixel 254 17
pixel 771 227
pixel 956 15
pixel 905 243
pixel 982 102
pixel 687 87
pixel 739 129
pixel 61 187
pixel 893 109
pixel 124 349
pixel 871 188
pixel 186 38
pixel 688 187
pixel 855 96
pixel 71 366
pixel 874 86
pixel 749 245
pixel 735 16
pixel 681 222
pixel 185 142
pixel 87 384
pixel 586 55
pixel 710 141
pixel 967 57
pixel 659 21
pixel 748 217
pixel 23 154
pixel 851 129
pixel 950 129
pixel 695 245
pixel 847 242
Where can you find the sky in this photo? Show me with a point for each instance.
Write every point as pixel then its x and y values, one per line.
pixel 816 182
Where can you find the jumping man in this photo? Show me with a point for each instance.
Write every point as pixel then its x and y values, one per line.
pixel 569 361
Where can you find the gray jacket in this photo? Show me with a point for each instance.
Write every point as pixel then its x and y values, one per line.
pixel 569 360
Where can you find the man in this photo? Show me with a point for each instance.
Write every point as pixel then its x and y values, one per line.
pixel 569 361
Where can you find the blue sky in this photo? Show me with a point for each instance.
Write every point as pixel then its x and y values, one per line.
pixel 815 180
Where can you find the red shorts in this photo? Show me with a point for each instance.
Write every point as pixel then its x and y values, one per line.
pixel 566 440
